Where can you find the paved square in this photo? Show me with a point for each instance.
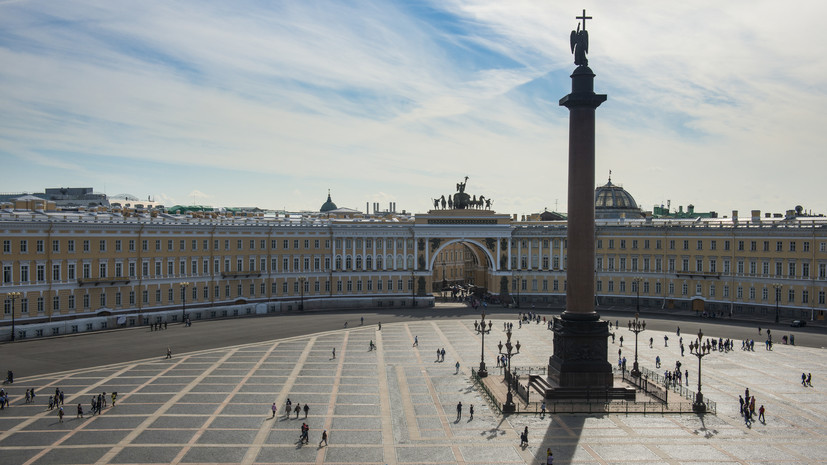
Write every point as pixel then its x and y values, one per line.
pixel 397 405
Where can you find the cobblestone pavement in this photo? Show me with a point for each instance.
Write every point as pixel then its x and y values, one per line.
pixel 397 405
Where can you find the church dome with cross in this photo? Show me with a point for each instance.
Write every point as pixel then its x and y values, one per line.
pixel 328 205
pixel 613 201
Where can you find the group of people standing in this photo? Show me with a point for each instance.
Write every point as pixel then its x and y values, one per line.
pixel 748 408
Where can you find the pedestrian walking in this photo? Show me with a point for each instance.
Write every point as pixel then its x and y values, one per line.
pixel 334 352
pixel 169 352
pixel 804 379
pixel 802 375
pixel 114 397
pixel 457 366
pixel 810 379
pixel 471 412
pixel 324 438
pixel 288 408
pixel 549 457
pixel 306 410
pixel 459 410
pixel 524 437
pixel 665 341
pixel 274 408
pixel 80 411
pixel 416 341
pixel 543 409
pixel 761 414
pixel 363 320
pixel 621 341
pixel 443 354
pixel 298 409
pixel 60 414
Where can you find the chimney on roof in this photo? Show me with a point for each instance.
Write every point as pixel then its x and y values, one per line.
pixel 735 216
pixel 756 216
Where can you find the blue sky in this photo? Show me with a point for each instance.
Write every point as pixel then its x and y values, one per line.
pixel 718 104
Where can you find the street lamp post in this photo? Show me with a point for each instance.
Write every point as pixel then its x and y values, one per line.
pixel 777 287
pixel 302 280
pixel 700 350
pixel 13 296
pixel 184 286
pixel 482 372
pixel 509 406
pixel 636 327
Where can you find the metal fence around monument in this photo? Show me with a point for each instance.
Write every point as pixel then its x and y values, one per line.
pixel 491 398
pixel 654 383
pixel 676 387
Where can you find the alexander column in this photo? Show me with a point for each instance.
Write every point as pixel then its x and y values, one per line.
pixel 580 337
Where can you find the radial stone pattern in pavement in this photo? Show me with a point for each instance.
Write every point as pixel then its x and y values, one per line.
pixel 397 405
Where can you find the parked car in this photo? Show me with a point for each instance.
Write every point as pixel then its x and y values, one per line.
pixel 798 323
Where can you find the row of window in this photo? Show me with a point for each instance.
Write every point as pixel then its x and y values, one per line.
pixel 635 265
pixel 713 245
pixel 765 291
pixel 358 285
pixel 103 244
pixel 299 264
pixel 388 243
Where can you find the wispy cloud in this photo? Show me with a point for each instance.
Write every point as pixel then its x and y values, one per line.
pixel 272 104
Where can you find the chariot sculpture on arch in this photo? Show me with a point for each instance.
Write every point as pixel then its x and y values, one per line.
pixel 461 200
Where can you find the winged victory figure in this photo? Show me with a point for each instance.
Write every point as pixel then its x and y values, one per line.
pixel 580 46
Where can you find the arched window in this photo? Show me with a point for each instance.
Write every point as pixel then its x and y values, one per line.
pixel 358 262
pixel 348 262
pixel 400 261
pixel 410 262
pixel 369 262
pixel 338 262
pixel 379 262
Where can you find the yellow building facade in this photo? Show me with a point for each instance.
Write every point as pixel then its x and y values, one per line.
pixel 119 270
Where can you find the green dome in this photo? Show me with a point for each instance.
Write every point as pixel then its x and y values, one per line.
pixel 328 206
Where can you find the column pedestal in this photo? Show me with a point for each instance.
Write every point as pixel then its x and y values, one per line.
pixel 580 348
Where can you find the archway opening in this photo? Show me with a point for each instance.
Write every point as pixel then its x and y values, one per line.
pixel 461 268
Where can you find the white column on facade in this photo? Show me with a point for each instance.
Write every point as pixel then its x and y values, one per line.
pixel 333 253
pixel 415 253
pixel 405 253
pixel 374 254
pixel 519 254
pixel 529 254
pixel 384 253
pixel 561 254
pixel 508 264
pixel 353 263
pixel 364 254
pixel 497 258
pixel 427 251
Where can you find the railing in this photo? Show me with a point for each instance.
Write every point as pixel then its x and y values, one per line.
pixel 478 381
pixel 643 383
pixel 677 388
pixel 615 406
